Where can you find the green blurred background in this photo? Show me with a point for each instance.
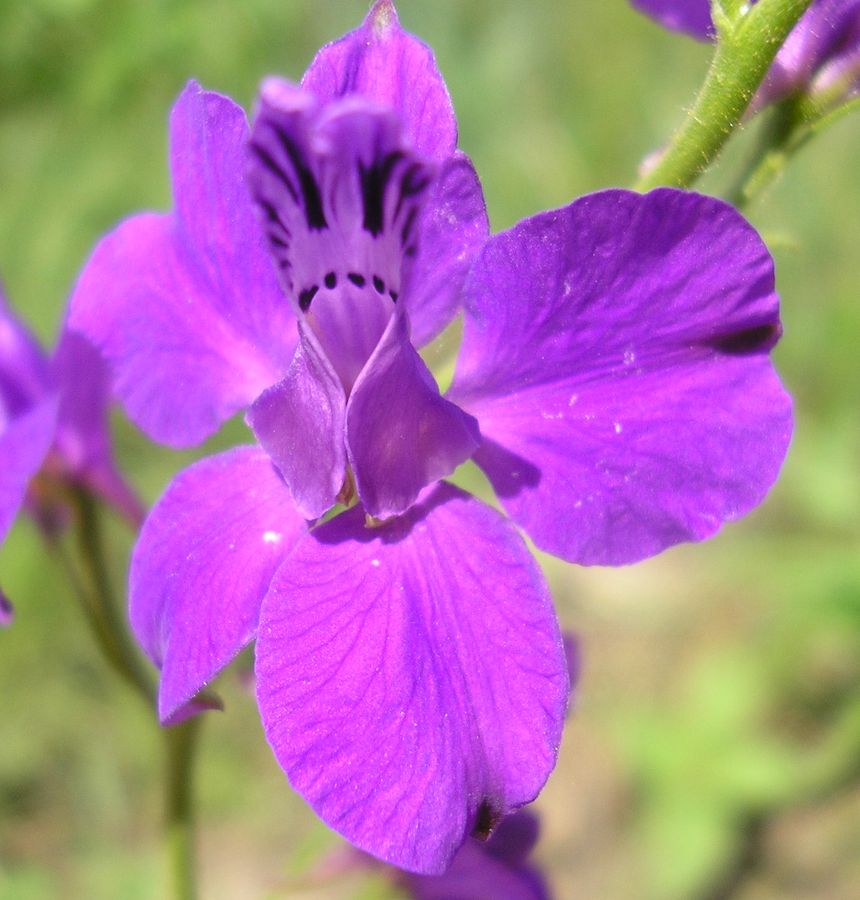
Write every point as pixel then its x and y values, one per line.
pixel 715 748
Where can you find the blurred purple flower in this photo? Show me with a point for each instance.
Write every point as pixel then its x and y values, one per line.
pixel 486 870
pixel 820 56
pixel 53 429
pixel 411 676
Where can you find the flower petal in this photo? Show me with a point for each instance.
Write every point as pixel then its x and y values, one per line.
pixel 693 17
pixel 339 193
pixel 615 355
pixel 24 442
pixel 495 868
pixel 386 64
pixel 300 424
pixel 411 679
pixel 83 438
pixel 401 434
pixel 452 229
pixel 186 306
pixel 202 566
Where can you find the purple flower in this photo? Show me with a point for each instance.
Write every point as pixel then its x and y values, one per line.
pixel 614 385
pixel 52 422
pixel 497 867
pixel 820 56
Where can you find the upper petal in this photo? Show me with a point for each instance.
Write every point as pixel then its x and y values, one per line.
pixel 186 307
pixel 615 355
pixel 202 566
pixel 386 64
pixel 412 679
pixel 401 434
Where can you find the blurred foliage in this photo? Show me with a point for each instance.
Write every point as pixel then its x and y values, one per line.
pixel 715 748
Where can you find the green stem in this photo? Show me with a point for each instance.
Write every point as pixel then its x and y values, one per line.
pixel 746 46
pixel 793 124
pixel 91 584
pixel 92 587
pixel 181 741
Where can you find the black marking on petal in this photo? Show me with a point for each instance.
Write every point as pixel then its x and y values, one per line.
pixel 410 251
pixel 378 285
pixel 394 295
pixel 310 189
pixel 330 280
pixel 408 224
pixel 757 339
pixel 374 180
pixel 357 279
pixel 272 215
pixel 413 182
pixel 306 297
pixel 278 242
pixel 269 162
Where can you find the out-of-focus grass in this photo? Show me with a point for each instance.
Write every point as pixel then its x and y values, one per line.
pixel 714 735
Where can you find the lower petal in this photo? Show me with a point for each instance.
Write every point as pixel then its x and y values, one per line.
pixel 401 434
pixel 203 564
pixel 412 679
pixel 300 424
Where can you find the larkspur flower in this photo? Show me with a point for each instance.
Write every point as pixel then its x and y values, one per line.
pixel 821 55
pixel 613 383
pixel 53 429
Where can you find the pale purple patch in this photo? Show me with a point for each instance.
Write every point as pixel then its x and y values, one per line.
pixel 412 679
pixel 202 566
pixel 384 63
pixel 186 306
pixel 615 354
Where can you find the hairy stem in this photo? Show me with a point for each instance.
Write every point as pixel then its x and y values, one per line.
pixel 746 46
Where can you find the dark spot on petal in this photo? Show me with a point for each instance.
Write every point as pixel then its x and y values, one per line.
pixel 486 820
pixel 278 242
pixel 394 295
pixel 306 296
pixel 757 339
pixel 410 251
pixel 330 280
pixel 357 279
pixel 378 284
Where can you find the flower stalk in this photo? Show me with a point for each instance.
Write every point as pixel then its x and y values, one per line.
pixel 180 743
pixel 747 42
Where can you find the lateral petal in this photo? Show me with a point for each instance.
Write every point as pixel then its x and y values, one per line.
pixel 186 306
pixel 203 564
pixel 616 356
pixel 412 679
pixel 452 229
